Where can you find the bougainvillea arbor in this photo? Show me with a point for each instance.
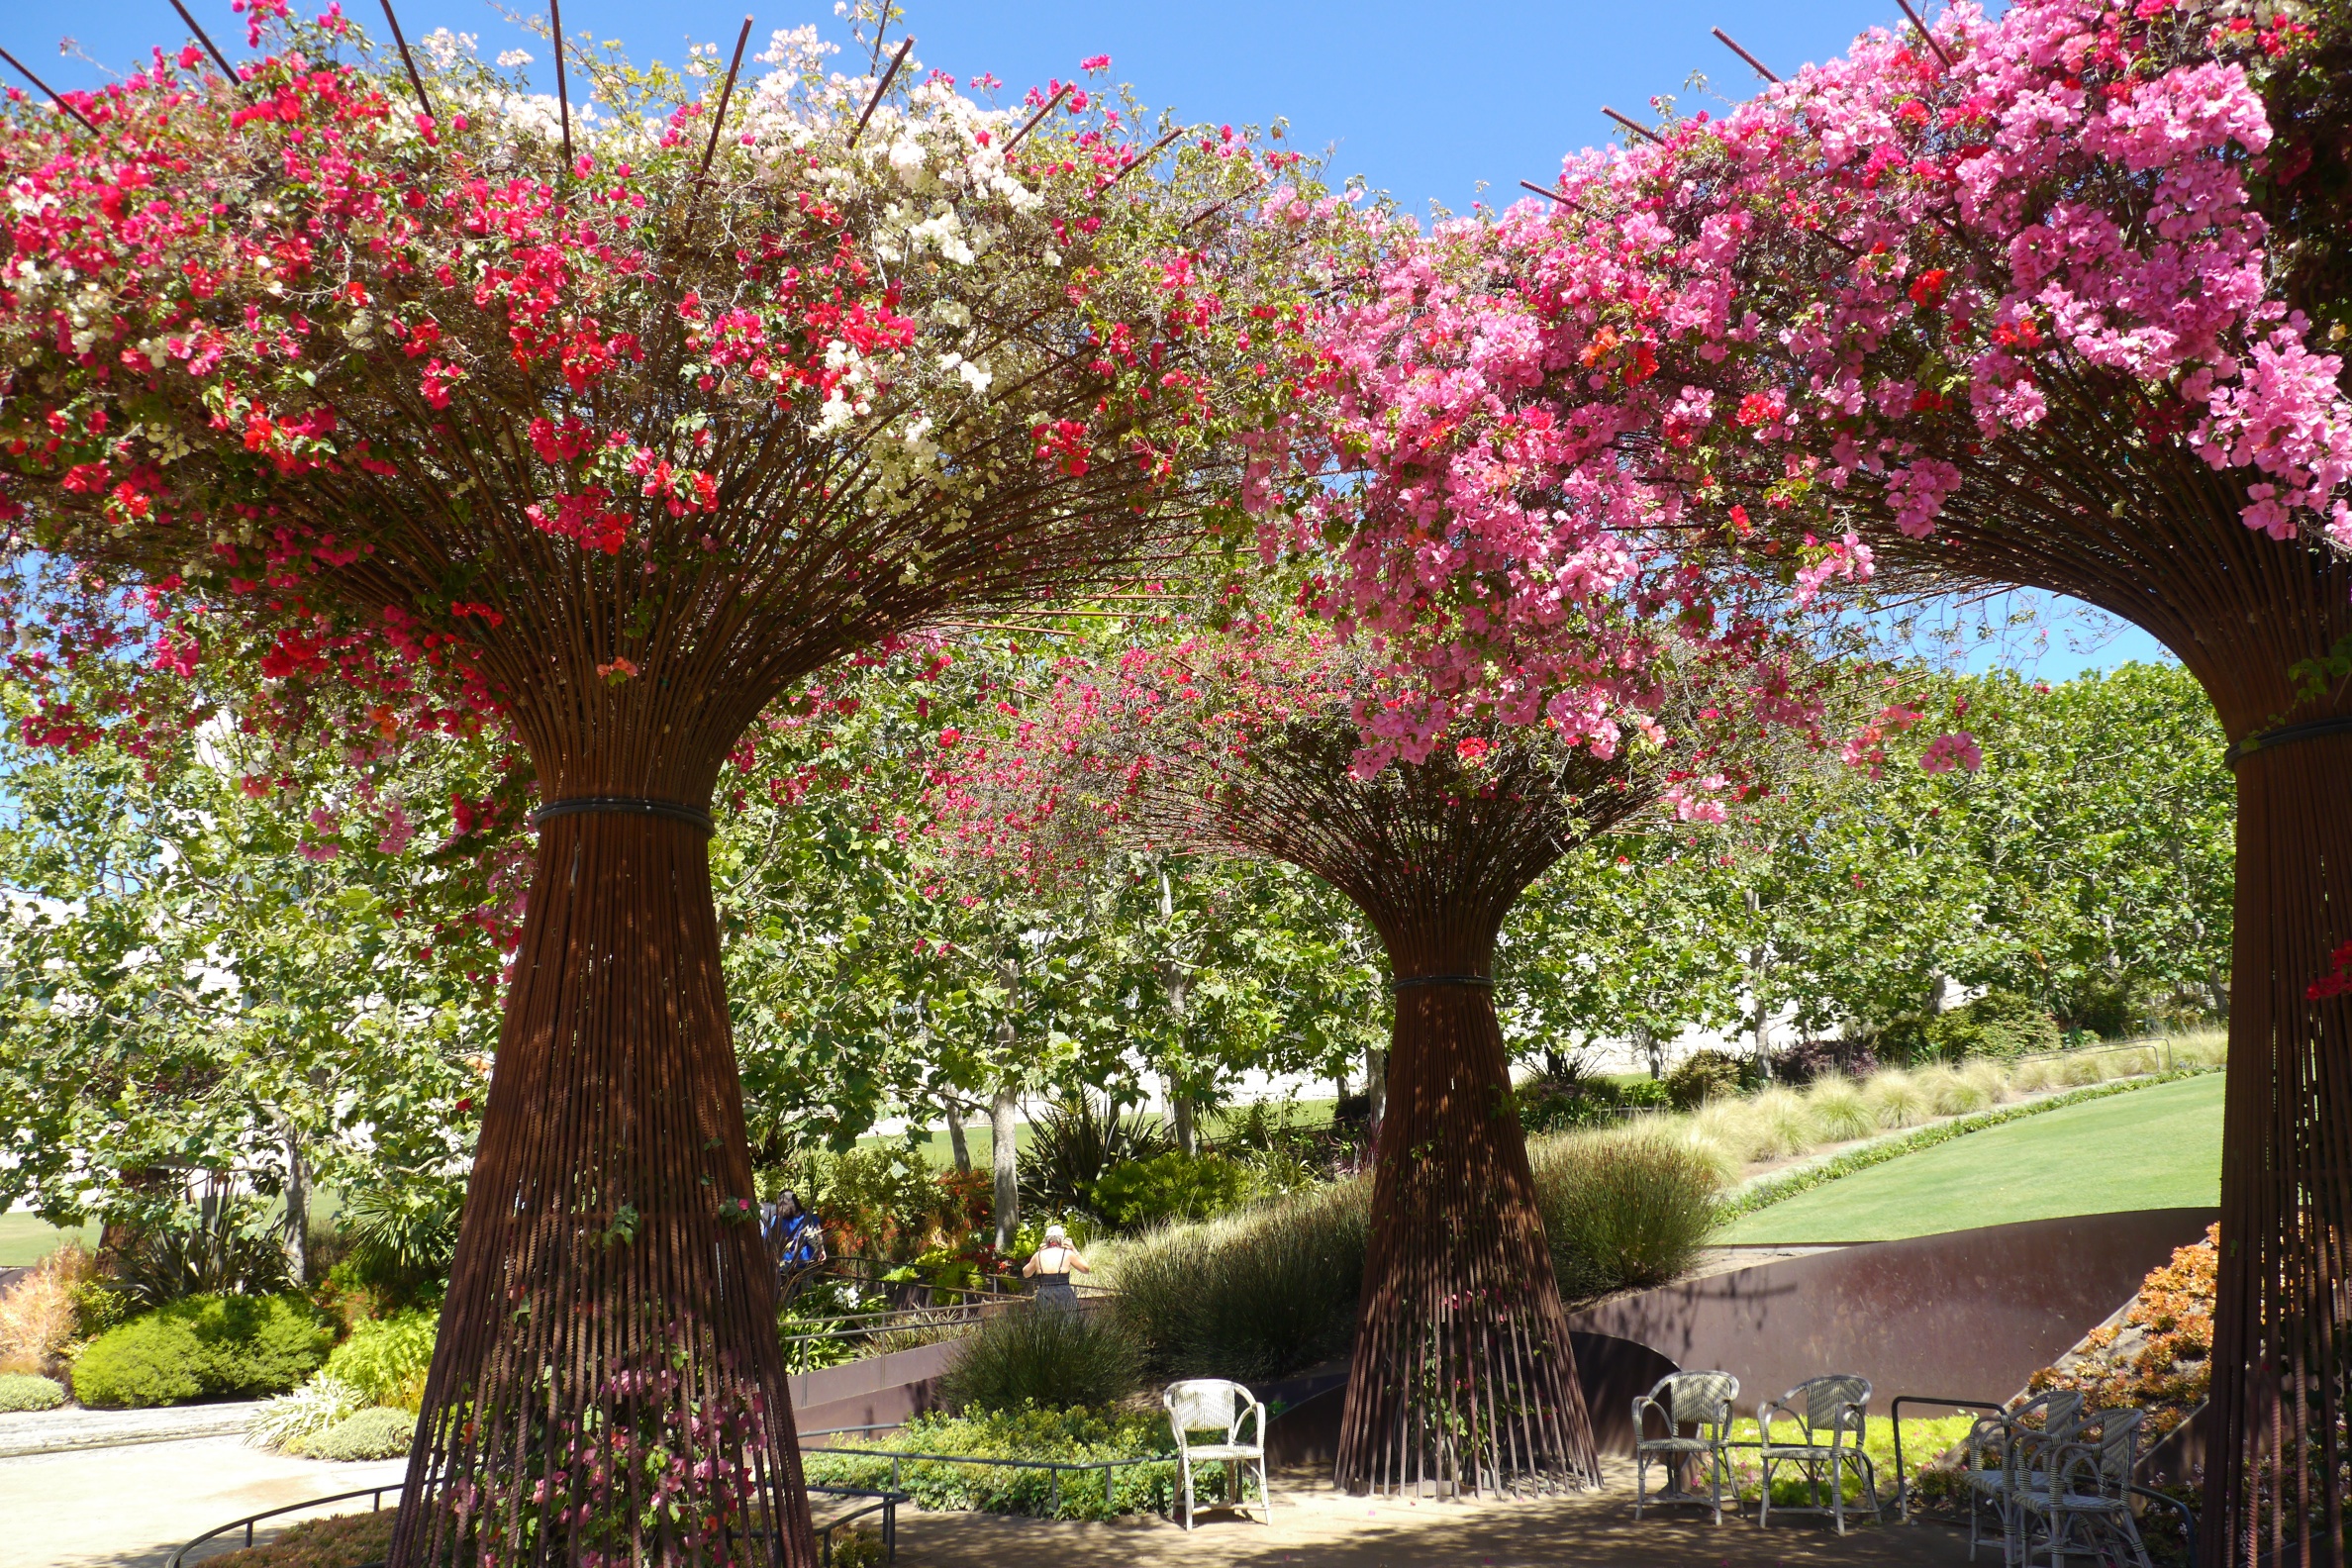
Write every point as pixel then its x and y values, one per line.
pixel 1252 743
pixel 1991 306
pixel 607 415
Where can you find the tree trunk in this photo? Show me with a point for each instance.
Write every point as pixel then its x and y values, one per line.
pixel 2283 1324
pixel 1003 1157
pixel 1375 1092
pixel 297 1210
pixel 610 1300
pixel 1462 1378
pixel 956 1142
pixel 1180 1111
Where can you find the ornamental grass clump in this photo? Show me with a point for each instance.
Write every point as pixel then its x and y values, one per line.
pixel 1781 1124
pixel 1023 1355
pixel 1624 1208
pixel 1897 1100
pixel 285 1421
pixel 1840 1109
pixel 1950 1092
pixel 1257 1294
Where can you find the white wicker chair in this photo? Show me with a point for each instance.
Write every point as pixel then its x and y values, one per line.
pixel 2005 1455
pixel 1685 1399
pixel 1835 1408
pixel 2083 1504
pixel 1215 1405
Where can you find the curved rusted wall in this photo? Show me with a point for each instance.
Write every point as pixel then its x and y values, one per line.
pixel 1966 1314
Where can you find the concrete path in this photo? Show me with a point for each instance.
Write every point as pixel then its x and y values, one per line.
pixel 61 1431
pixel 133 1506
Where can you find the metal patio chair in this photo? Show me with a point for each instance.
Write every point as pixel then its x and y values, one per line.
pixel 1215 1405
pixel 1685 1399
pixel 1830 1416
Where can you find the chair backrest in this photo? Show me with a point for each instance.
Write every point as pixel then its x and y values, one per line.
pixel 1205 1404
pixel 2060 1410
pixel 1696 1396
pixel 1834 1404
pixel 2118 1443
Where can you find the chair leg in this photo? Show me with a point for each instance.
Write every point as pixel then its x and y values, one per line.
pixel 1764 1508
pixel 1640 1478
pixel 1188 1494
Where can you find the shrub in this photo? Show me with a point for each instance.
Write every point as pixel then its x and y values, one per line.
pixel 37 1320
pixel 204 1347
pixel 386 1359
pixel 1621 1208
pixel 20 1391
pixel 1052 1359
pixel 348 1540
pixel 1073 1145
pixel 1252 1295
pixel 2198 1047
pixel 1839 1110
pixel 377 1434
pixel 1808 1061
pixel 284 1422
pixel 1703 1076
pixel 225 1245
pixel 403 1235
pixel 1170 1186
pixel 1999 1023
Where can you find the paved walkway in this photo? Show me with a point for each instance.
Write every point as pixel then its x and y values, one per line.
pixel 1315 1526
pixel 133 1506
pixel 129 1507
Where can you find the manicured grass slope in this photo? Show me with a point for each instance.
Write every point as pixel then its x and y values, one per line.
pixel 2152 1148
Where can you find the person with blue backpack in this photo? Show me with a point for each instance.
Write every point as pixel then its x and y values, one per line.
pixel 795 1238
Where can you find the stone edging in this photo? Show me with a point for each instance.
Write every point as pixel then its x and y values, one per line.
pixel 1764 1191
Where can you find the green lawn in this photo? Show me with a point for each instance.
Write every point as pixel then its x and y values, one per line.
pixel 2151 1148
pixel 24 1238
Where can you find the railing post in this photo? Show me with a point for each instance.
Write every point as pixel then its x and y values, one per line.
pixel 1053 1494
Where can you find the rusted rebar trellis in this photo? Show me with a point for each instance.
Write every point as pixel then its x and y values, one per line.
pixel 1461 1377
pixel 2089 503
pixel 608 1379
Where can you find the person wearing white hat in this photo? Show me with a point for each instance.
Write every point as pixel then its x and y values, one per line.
pixel 1050 1267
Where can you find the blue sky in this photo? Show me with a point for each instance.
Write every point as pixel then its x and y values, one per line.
pixel 1426 101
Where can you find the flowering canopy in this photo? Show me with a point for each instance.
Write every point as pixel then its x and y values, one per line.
pixel 510 414
pixel 2003 285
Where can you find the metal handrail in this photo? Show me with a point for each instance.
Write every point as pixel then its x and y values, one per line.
pixel 179 1558
pixel 1895 1414
pixel 885 1502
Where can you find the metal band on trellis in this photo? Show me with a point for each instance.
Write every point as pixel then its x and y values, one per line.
pixel 1406 982
pixel 624 806
pixel 2285 735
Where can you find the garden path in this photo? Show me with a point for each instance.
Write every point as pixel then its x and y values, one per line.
pixel 133 1506
pixel 1317 1526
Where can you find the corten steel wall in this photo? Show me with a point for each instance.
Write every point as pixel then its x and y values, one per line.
pixel 872 1390
pixel 1967 1314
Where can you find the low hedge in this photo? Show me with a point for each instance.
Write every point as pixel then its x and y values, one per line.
pixel 21 1390
pixel 1072 1437
pixel 203 1347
